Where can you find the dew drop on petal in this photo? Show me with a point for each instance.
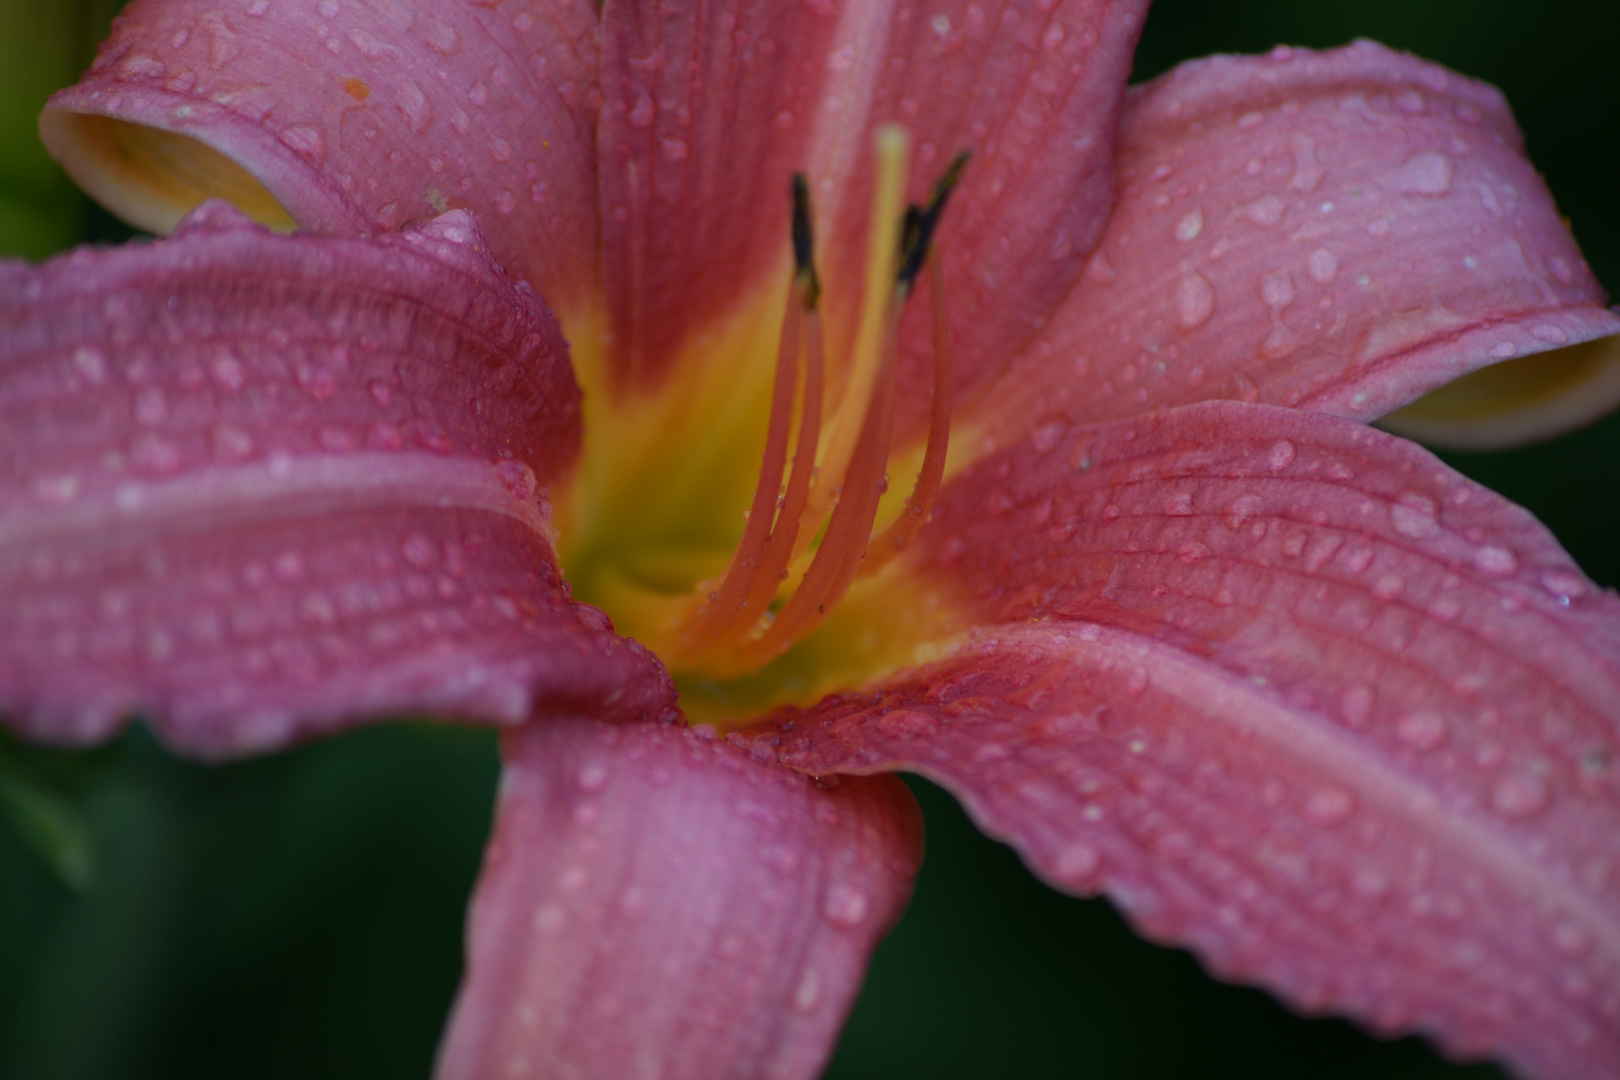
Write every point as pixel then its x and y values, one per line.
pixel 1195 300
pixel 518 478
pixel 845 907
pixel 1564 585
pixel 1322 266
pixel 1330 806
pixel 1493 561
pixel 591 778
pixel 1415 516
pixel 807 994
pixel 1188 228
pixel 1520 796
pixel 1423 731
pixel 1424 173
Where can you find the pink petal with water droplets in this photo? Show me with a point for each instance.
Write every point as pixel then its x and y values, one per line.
pixel 1296 695
pixel 365 117
pixel 1339 231
pixel 257 487
pixel 659 903
pixel 695 168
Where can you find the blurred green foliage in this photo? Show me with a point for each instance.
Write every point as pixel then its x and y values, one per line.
pixel 301 915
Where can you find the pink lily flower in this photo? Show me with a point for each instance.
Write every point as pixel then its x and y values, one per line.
pixel 1167 617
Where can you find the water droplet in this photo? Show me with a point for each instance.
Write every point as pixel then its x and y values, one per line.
pixel 1307 173
pixel 1076 865
pixel 907 724
pixel 1322 266
pixel 1136 682
pixel 1423 731
pixel 1266 211
pixel 845 907
pixel 228 372
pixel 807 994
pixel 1277 290
pixel 1497 562
pixel 307 142
pixel 1424 173
pixel 1564 585
pixel 152 453
pixel 91 363
pixel 1415 516
pixel 1330 806
pixel 1520 796
pixel 591 778
pixel 1389 587
pixel 1046 436
pixel 1195 300
pixel 644 111
pixel 140 65
pixel 518 478
pixel 1188 228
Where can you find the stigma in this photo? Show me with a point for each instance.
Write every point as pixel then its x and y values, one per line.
pixel 810 528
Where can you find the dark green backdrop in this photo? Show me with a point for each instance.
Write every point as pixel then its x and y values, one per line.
pixel 301 916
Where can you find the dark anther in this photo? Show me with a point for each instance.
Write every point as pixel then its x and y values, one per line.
pixel 917 230
pixel 804 265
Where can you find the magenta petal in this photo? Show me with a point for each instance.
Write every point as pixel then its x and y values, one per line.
pixel 657 903
pixel 1338 231
pixel 257 487
pixel 1298 696
pixel 696 167
pixel 365 117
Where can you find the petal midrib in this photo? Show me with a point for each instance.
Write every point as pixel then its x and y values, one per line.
pixel 1248 713
pixel 281 487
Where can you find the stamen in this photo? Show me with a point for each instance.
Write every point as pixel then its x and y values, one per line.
pixel 929 476
pixel 741 593
pixel 838 559
pixel 888 201
pixel 728 632
pixel 917 235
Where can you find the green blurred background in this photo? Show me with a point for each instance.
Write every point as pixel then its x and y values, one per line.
pixel 301 915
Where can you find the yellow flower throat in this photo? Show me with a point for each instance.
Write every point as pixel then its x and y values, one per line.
pixel 646 533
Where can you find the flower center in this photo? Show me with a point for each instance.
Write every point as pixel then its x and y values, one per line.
pixel 810 529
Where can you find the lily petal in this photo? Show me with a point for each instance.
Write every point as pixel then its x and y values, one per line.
pixel 404 110
pixel 259 487
pixel 657 903
pixel 1296 695
pixel 1340 232
pixel 688 163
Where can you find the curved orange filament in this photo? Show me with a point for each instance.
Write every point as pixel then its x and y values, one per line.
pixel 921 503
pixel 730 631
pixel 779 548
pixel 730 603
pixel 838 558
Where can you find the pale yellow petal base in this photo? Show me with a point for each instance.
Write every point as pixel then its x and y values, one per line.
pixel 150 177
pixel 1516 402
